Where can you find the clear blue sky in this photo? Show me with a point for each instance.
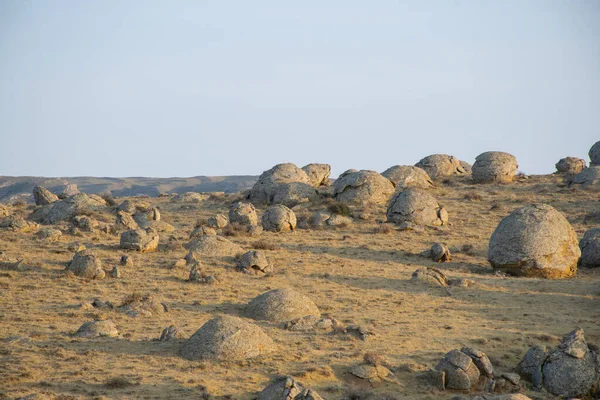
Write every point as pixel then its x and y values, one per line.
pixel 184 88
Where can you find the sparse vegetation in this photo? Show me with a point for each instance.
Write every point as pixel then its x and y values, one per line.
pixel 339 208
pixel 265 245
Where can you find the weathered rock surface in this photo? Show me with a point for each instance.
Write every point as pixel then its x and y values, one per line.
pixel 243 213
pixel 494 166
pixel 171 332
pixel 264 190
pixel 460 371
pixel 43 196
pixel 17 223
pixel 218 221
pixel 293 193
pixel 594 154
pixel 440 252
pixel 227 338
pixel 283 389
pixel 570 165
pixel 62 210
pixel 279 218
pixel 281 305
pixel 144 240
pixel 535 241
pixel 588 177
pixel 432 276
pixel 143 306
pixel 407 176
pixel 86 265
pixel 318 174
pixel 214 246
pixel 97 329
pixel 416 207
pixel 254 261
pixel 590 248
pixel 440 166
pixel 362 187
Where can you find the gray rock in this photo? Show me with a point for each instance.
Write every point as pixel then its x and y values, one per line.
pixel 440 166
pixel 461 372
pixel 466 166
pixel 144 306
pixel 126 261
pixel 254 261
pixel 339 220
pixel 570 165
pixel 279 218
pixel 170 333
pixel 283 389
pixel 17 223
pixel 86 265
pixel 227 338
pixel 269 181
pixel 417 207
pixel 371 373
pixel 115 272
pixel 481 360
pixel 431 276
pixel 69 190
pixel 293 193
pixel 85 223
pixel 590 248
pixel 440 252
pixel 68 208
pixel 362 187
pixel 407 176
pixel 318 174
pixel 218 221
pixel 494 166
pixel 125 221
pixel 49 234
pixel 281 305
pixel 143 240
pixel 308 394
pixel 535 241
pixel 586 178
pixel 595 154
pixel 43 196
pixel 201 231
pixel 97 329
pixel 319 218
pixel 213 246
pixel 530 367
pixel 243 213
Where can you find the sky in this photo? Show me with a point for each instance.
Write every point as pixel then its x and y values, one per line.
pixel 187 88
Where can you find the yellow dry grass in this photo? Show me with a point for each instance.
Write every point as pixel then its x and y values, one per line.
pixel 358 274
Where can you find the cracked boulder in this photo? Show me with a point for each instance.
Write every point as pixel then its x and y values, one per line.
pixel 569 370
pixel 441 166
pixel 588 177
pixel 254 262
pixel 218 221
pixel 407 176
pixel 143 240
pixel 481 360
pixel 570 165
pixel 590 249
pixel 594 154
pixel 460 371
pixel 494 167
pixel 362 187
pixel 86 265
pixel 269 182
pixel 535 241
pixel 318 174
pixel 281 305
pixel 227 338
pixel 279 218
pixel 243 213
pixel 417 208
pixel 440 252
pixel 43 196
pixel 283 389
pixel 171 332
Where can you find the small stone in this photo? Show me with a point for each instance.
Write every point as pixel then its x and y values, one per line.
pixel 115 273
pixel 440 252
pixel 126 261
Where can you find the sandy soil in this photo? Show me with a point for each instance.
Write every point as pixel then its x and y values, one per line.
pixel 357 274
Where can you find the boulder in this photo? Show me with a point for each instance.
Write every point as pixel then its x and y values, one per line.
pixel 283 389
pixel 535 241
pixel 17 223
pixel 144 240
pixel 243 213
pixel 281 305
pixel 590 249
pixel 49 234
pixel 170 333
pixel 69 190
pixel 338 220
pixel 292 194
pixel 85 223
pixel 214 246
pixel 466 166
pixel 227 338
pixel 407 176
pixel 318 174
pixel 254 261
pixel 416 207
pixel 595 154
pixel 201 231
pixel 218 221
pixel 588 177
pixel 440 252
pixel 268 182
pixel 570 165
pixel 86 265
pixel 461 373
pixel 441 166
pixel 145 306
pixel 97 329
pixel 430 276
pixel 279 218
pixel 43 196
pixel 62 210
pixel 481 360
pixel 125 221
pixel 494 167
pixel 362 187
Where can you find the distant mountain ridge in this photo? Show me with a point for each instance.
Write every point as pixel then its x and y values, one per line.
pixel 20 187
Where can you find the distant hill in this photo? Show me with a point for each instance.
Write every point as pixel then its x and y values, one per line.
pixel 20 187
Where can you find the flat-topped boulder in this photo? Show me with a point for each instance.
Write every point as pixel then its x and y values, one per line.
pixel 281 305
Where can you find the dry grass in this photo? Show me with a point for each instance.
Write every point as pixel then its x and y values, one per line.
pixel 265 245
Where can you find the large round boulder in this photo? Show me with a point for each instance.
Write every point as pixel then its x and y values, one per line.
pixel 243 213
pixel 494 166
pixel 586 178
pixel 362 187
pixel 281 305
pixel 416 207
pixel 43 196
pixel 570 165
pixel 265 188
pixel 214 246
pixel 62 210
pixel 440 166
pixel 460 371
pixel 590 248
pixel 227 338
pixel 595 154
pixel 318 174
pixel 86 265
pixel 144 240
pixel 279 218
pixel 406 176
pixel 292 194
pixel 535 241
